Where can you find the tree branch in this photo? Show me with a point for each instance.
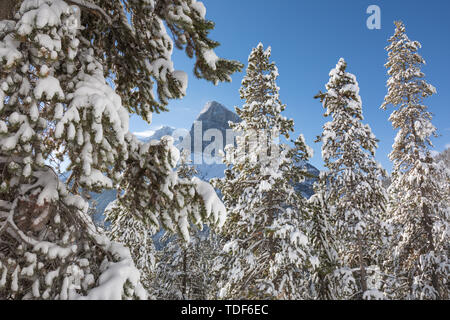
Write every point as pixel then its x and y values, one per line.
pixel 93 8
pixel 7 9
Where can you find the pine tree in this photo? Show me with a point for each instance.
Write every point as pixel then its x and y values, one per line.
pixel 444 156
pixel 137 237
pixel 57 59
pixel 266 248
pixel 185 270
pixel 352 181
pixel 131 228
pixel 419 193
pixel 325 282
pixel 152 191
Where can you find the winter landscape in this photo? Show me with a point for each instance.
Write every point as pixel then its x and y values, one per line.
pixel 122 177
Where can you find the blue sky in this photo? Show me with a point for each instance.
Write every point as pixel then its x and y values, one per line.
pixel 307 40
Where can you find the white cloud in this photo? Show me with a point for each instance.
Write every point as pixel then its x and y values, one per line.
pixel 447 146
pixel 144 134
pixel 148 133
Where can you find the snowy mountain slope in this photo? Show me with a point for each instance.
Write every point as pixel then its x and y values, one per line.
pixel 208 171
pixel 159 133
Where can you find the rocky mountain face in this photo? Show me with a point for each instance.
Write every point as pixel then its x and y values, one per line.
pixel 306 187
pixel 213 116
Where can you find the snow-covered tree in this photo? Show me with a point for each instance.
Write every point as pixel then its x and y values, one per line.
pixel 444 156
pixel 321 234
pixel 419 193
pixel 137 237
pixel 152 191
pixel 131 227
pixel 352 181
pixel 57 60
pixel 266 247
pixel 185 270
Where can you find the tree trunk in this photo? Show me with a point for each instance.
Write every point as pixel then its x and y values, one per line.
pixel 184 275
pixel 362 265
pixel 428 226
pixel 7 9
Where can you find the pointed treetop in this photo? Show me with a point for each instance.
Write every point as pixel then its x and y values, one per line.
pixel 400 26
pixel 343 92
pixel 341 65
pixel 260 47
pixel 404 63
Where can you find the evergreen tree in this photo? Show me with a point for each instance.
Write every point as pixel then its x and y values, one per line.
pixel 137 237
pixel 133 230
pixel 352 182
pixel 55 59
pixel 444 156
pixel 419 193
pixel 185 270
pixel 266 249
pixel 152 191
pixel 325 283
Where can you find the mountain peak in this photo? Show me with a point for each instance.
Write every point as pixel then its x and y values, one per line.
pixel 212 108
pixel 214 115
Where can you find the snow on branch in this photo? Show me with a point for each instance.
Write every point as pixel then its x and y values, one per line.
pixel 92 8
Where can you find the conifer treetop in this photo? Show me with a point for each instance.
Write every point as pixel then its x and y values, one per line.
pixel 407 90
pixel 263 107
pixel 403 66
pixel 344 135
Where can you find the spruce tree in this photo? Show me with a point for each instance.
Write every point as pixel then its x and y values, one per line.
pixel 266 247
pixel 132 228
pixel 185 270
pixel 137 237
pixel 321 233
pixel 444 157
pixel 419 193
pixel 352 181
pixel 57 60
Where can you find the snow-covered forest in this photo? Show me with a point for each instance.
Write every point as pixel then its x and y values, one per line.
pixel 72 72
